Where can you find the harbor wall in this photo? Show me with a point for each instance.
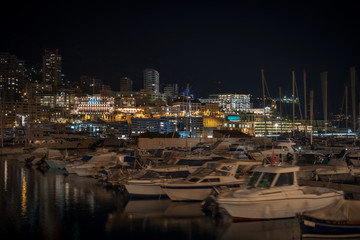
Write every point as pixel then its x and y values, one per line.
pixel 154 143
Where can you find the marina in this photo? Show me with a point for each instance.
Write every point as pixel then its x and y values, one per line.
pixel 50 205
pixel 207 192
pixel 179 120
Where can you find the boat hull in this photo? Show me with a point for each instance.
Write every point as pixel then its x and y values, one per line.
pixel 273 208
pixel 144 189
pixel 312 228
pixel 55 164
pixel 191 193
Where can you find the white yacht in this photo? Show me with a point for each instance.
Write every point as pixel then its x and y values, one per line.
pixel 309 162
pixel 199 185
pixel 282 150
pixel 345 168
pixel 97 163
pixel 147 183
pixel 273 193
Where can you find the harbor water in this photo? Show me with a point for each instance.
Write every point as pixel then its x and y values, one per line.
pixel 48 204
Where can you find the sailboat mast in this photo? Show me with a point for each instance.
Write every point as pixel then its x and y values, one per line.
pixel 187 112
pixel 263 87
pixel 324 82
pixel 293 101
pixel 1 117
pixel 305 103
pixel 352 74
pixel 311 115
pixel 280 110
pixel 346 110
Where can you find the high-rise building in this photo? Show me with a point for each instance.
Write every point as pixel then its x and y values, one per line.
pixel 52 68
pixel 151 79
pixel 229 103
pixel 90 85
pixel 11 77
pixel 125 84
pixel 171 90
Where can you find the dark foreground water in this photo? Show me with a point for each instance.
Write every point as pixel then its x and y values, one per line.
pixel 38 204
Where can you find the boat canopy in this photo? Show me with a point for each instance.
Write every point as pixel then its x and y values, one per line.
pixel 343 210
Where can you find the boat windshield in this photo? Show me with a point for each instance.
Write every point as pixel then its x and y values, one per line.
pixel 175 174
pixel 194 179
pixel 266 180
pixel 285 179
pixel 254 178
pixel 201 172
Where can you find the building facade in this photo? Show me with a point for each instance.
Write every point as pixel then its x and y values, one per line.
pixel 93 106
pixel 171 90
pixel 142 125
pixel 151 80
pixel 52 68
pixel 11 77
pixel 125 84
pixel 229 103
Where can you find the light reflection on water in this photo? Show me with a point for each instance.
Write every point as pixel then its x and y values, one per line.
pixel 23 193
pixel 50 205
pixel 5 175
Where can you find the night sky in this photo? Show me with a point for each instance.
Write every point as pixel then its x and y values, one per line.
pixel 215 46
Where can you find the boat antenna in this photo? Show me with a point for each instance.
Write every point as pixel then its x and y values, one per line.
pixel 305 103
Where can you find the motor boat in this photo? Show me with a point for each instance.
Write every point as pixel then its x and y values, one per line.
pixel 147 183
pixel 198 185
pixel 96 163
pixel 343 169
pixel 281 150
pixel 273 193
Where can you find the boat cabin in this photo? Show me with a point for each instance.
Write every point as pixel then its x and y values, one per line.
pixel 214 171
pixel 272 176
pixel 166 172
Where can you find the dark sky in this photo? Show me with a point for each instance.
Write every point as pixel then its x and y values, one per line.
pixel 215 46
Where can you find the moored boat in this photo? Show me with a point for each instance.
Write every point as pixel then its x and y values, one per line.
pixel 199 185
pixel 147 184
pixel 273 193
pixel 338 220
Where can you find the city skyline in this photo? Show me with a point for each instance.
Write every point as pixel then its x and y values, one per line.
pixel 221 45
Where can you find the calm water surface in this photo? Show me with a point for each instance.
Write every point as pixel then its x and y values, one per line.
pixel 38 204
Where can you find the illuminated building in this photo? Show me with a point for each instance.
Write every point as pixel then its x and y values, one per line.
pixel 151 80
pixel 190 126
pixel 168 124
pixel 210 122
pixel 93 106
pixel 171 90
pixel 190 108
pixel 141 125
pixel 125 99
pixel 211 109
pixel 21 113
pixel 11 77
pixel 120 129
pixel 91 85
pixel 147 97
pixel 254 125
pixel 185 126
pixel 125 84
pixel 34 89
pixel 229 103
pixel 52 68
